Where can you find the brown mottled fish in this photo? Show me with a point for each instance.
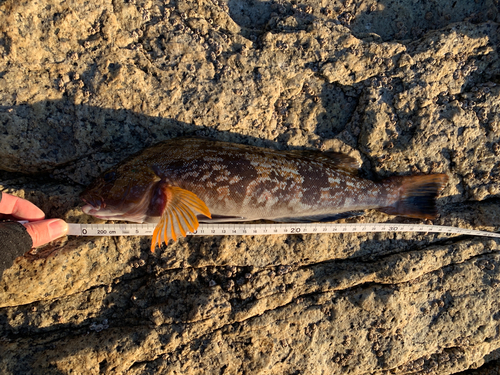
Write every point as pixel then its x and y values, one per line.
pixel 182 181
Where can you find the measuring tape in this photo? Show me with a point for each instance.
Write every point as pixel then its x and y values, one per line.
pixel 274 228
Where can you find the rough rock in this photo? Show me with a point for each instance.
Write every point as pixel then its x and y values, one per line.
pixel 404 86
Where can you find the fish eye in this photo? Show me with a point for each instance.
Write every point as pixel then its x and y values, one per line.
pixel 109 176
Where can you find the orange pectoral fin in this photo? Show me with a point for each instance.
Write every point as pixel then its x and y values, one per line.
pixel 179 215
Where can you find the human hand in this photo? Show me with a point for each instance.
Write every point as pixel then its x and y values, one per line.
pixel 16 238
pixel 40 231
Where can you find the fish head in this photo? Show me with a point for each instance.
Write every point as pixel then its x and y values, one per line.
pixel 121 193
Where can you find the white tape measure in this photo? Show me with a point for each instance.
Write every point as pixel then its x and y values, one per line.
pixel 274 228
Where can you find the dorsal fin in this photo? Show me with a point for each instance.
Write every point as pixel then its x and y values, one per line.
pixel 343 161
pixel 339 160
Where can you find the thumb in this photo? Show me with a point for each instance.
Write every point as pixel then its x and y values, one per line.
pixel 44 231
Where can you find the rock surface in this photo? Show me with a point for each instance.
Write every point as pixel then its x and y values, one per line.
pixel 404 86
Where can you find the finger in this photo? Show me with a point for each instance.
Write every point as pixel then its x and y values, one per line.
pixel 20 208
pixel 44 231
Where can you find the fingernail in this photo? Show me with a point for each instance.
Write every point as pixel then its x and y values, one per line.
pixel 58 228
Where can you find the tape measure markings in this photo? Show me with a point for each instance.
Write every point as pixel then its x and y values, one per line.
pixel 274 228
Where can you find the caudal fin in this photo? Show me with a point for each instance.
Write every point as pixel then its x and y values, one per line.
pixel 417 195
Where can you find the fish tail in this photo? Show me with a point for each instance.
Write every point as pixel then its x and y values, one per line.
pixel 414 196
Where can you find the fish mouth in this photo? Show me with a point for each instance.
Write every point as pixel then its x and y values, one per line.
pixel 97 208
pixel 101 212
pixel 90 210
pixel 94 205
pixel 95 201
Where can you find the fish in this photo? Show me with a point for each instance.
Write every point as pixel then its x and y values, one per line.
pixel 181 182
